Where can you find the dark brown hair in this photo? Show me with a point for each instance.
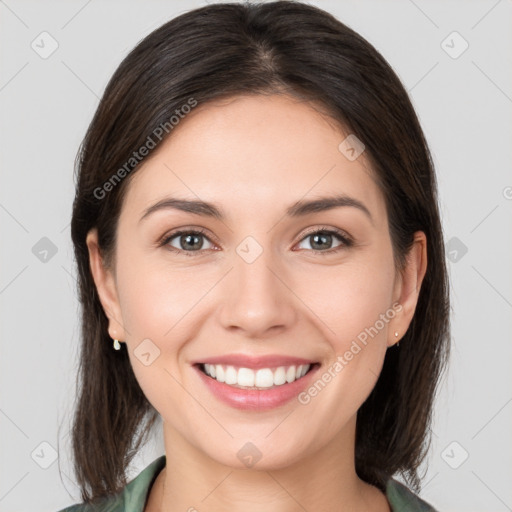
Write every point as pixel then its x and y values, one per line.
pixel 222 50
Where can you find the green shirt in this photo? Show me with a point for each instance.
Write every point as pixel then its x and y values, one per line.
pixel 134 495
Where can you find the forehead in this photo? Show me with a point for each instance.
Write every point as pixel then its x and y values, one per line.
pixel 260 152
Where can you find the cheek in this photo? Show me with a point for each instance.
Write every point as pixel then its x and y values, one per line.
pixel 158 305
pixel 354 304
pixel 350 298
pixel 155 297
pixel 358 300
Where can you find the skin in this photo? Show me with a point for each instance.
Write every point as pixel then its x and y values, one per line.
pixel 254 156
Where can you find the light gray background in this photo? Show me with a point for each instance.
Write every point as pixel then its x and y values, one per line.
pixel 465 107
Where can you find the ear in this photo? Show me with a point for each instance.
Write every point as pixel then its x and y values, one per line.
pixel 106 286
pixel 407 287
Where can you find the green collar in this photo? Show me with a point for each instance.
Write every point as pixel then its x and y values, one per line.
pixel 133 497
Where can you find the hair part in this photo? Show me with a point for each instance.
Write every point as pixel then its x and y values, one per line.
pixel 226 50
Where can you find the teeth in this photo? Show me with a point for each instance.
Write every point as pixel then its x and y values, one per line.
pixel 231 375
pixel 245 377
pixel 262 378
pixel 290 374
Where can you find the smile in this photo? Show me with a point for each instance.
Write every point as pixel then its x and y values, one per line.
pixel 256 389
pixel 262 378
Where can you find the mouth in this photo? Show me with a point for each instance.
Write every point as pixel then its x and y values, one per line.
pixel 260 379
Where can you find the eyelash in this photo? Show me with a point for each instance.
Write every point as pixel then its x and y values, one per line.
pixel 342 237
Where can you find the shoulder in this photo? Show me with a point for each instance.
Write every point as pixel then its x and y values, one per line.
pixel 402 499
pixel 131 499
pixel 110 504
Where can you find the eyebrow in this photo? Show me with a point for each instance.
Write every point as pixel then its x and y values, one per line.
pixel 298 209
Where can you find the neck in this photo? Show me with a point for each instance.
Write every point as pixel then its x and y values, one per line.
pixel 323 480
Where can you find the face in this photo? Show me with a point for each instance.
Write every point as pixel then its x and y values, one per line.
pixel 261 286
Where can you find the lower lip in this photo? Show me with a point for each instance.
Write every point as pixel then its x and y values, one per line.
pixel 257 399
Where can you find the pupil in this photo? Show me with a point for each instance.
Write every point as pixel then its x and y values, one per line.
pixel 318 240
pixel 187 239
pixel 322 237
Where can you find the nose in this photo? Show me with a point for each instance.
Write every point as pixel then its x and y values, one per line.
pixel 257 300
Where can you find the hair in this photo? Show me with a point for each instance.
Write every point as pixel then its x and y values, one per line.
pixel 221 51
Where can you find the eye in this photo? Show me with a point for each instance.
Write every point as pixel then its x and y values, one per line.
pixel 189 241
pixel 321 240
pixel 186 241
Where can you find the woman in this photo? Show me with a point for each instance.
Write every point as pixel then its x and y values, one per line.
pixel 261 264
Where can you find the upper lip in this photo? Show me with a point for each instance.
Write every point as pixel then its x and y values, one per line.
pixel 255 362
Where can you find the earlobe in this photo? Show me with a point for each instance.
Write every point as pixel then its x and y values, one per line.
pixel 409 285
pixel 106 286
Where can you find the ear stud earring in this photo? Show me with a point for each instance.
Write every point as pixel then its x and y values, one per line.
pixel 396 336
pixel 117 345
